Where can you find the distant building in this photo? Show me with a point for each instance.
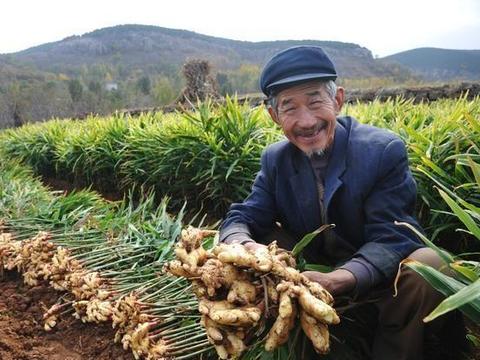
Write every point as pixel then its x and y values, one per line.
pixel 110 86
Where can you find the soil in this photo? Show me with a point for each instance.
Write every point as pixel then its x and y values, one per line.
pixel 22 336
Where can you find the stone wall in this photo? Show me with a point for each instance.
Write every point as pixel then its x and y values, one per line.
pixel 419 94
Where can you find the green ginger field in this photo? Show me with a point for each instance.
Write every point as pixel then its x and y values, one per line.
pixel 105 258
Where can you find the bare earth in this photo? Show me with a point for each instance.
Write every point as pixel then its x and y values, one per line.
pixel 22 336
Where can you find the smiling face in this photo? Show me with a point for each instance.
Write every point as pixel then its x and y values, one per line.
pixel 307 115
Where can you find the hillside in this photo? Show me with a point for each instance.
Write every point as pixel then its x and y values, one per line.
pixel 131 66
pixel 160 50
pixel 138 66
pixel 11 71
pixel 440 64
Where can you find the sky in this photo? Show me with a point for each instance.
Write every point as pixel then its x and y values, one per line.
pixel 384 27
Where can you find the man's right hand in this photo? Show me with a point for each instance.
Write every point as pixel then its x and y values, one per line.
pixel 252 246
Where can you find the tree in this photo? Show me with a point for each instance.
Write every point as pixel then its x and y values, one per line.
pixel 17 119
pixel 17 103
pixel 224 84
pixel 95 87
pixel 75 89
pixel 144 85
pixel 245 78
pixel 164 92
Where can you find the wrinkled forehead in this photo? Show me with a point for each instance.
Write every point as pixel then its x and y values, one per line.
pixel 302 91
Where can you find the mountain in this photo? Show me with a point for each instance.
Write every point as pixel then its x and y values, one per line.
pixel 139 66
pixel 435 64
pixel 11 70
pixel 160 50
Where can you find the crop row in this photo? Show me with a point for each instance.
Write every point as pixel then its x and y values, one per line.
pixel 209 157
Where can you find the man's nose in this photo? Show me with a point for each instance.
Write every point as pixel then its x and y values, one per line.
pixel 306 118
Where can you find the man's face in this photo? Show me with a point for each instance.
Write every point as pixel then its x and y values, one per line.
pixel 307 115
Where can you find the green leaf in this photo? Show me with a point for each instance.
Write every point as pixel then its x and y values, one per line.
pixel 447 286
pixel 475 169
pixel 464 296
pixel 266 355
pixel 230 169
pixel 473 122
pixel 446 257
pixel 437 169
pixel 318 267
pixel 307 239
pixel 301 263
pixel 465 271
pixel 449 192
pixel 461 214
pixel 475 340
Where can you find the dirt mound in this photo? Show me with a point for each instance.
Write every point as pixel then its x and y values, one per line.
pixel 418 94
pixel 22 336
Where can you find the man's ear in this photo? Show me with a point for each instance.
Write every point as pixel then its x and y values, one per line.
pixel 339 99
pixel 273 115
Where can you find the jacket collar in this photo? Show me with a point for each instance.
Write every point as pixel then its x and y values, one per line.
pixel 303 182
pixel 337 162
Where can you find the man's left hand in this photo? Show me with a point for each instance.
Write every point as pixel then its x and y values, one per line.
pixel 337 282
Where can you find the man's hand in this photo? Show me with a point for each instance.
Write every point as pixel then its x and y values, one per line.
pixel 337 282
pixel 251 246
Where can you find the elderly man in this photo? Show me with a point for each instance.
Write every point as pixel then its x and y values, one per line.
pixel 333 169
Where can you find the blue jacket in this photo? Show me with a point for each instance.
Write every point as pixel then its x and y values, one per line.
pixel 368 186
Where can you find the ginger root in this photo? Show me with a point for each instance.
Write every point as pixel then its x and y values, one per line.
pixel 191 259
pixel 316 332
pixel 287 312
pixel 227 344
pixel 225 313
pixel 214 334
pixel 175 267
pixel 260 260
pixel 242 292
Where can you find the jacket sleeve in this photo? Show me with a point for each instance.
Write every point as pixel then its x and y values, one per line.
pixel 256 215
pixel 392 198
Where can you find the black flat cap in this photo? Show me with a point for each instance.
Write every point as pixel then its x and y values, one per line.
pixel 295 65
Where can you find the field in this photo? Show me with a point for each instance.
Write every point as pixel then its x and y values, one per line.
pixel 167 171
pixel 22 335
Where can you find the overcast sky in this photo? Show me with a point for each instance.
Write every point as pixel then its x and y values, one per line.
pixel 384 27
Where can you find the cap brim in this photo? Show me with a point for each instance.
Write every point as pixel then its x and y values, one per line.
pixel 300 78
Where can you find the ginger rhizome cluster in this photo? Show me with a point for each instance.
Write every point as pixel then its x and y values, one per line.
pixel 240 293
pixel 90 297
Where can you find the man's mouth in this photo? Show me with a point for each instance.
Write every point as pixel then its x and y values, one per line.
pixel 311 133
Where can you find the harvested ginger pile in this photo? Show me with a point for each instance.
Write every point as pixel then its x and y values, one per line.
pixel 239 291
